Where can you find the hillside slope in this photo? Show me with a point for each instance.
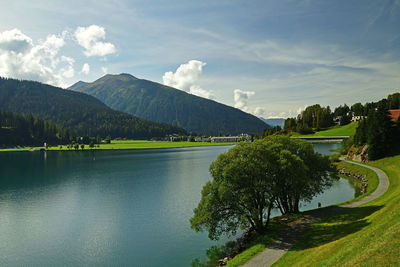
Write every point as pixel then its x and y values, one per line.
pixel 79 112
pixel 156 102
pixel 368 235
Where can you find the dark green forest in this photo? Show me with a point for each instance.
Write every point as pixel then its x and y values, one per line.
pixel 156 102
pixel 312 118
pixel 19 130
pixel 378 130
pixel 80 113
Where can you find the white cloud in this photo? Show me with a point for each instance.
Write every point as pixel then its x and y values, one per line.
pixel 21 58
pixel 186 77
pixel 241 99
pixel 259 112
pixel 14 40
pixel 283 114
pixel 85 69
pixel 104 70
pixel 68 71
pixel 197 90
pixel 89 38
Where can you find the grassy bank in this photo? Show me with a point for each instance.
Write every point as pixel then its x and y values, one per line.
pixel 262 242
pixel 346 130
pixel 370 175
pixel 368 235
pixel 126 144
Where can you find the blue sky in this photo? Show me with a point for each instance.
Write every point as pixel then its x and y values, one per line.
pixel 269 58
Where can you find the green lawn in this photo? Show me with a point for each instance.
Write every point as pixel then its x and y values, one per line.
pixel 261 242
pixel 368 235
pixel 130 144
pixel 346 130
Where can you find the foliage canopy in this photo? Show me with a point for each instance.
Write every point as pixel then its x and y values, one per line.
pixel 253 178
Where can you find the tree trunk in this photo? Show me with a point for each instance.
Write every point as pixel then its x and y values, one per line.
pixel 271 205
pixel 296 205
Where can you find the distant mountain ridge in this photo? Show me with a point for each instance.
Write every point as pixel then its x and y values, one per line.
pixel 274 121
pixel 82 113
pixel 160 103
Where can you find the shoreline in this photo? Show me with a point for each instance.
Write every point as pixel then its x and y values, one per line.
pixel 40 149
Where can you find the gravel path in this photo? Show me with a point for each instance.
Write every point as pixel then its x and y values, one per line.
pixel 295 230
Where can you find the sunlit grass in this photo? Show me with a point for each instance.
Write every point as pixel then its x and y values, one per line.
pixel 346 130
pixel 368 235
pixel 262 242
pixel 127 144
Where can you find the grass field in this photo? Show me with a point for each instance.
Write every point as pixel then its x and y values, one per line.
pixel 368 235
pixel 261 242
pixel 128 144
pixel 346 130
pixel 371 176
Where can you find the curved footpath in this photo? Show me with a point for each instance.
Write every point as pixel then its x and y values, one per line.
pixel 295 231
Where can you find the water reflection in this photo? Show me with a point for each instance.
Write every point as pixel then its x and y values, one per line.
pixel 125 207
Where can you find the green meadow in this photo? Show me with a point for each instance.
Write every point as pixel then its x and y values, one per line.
pixel 262 242
pixel 346 130
pixel 126 144
pixel 368 235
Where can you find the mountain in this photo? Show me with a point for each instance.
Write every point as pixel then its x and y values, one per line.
pixel 79 112
pixel 77 86
pixel 156 102
pixel 274 122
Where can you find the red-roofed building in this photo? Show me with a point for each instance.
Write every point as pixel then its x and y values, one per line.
pixel 394 113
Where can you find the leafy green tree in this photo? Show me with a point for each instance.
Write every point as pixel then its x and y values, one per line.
pixel 290 124
pixel 379 134
pixel 357 109
pixel 341 110
pixel 394 101
pixel 252 178
pixel 345 119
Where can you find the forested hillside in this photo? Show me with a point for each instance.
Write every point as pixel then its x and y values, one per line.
pixel 156 102
pixel 19 130
pixel 81 113
pixel 378 129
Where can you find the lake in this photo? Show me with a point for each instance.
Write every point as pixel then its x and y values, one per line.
pixel 128 208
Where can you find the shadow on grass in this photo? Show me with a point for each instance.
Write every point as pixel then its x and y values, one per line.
pixel 341 222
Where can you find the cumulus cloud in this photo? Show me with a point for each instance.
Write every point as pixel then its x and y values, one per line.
pixel 259 112
pixel 186 77
pixel 197 90
pixel 85 69
pixel 104 70
pixel 21 58
pixel 90 39
pixel 14 40
pixel 67 71
pixel 241 99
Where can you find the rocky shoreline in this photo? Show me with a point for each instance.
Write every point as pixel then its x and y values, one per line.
pixel 359 177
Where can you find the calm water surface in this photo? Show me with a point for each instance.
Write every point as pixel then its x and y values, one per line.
pixel 128 208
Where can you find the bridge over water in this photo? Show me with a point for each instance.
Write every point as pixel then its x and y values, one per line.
pixel 322 138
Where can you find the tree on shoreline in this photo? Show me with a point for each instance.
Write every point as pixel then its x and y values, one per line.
pixel 253 178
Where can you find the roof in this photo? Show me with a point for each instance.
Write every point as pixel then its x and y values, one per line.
pixel 394 113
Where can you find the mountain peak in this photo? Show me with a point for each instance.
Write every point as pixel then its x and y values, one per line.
pixel 156 102
pixel 120 77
